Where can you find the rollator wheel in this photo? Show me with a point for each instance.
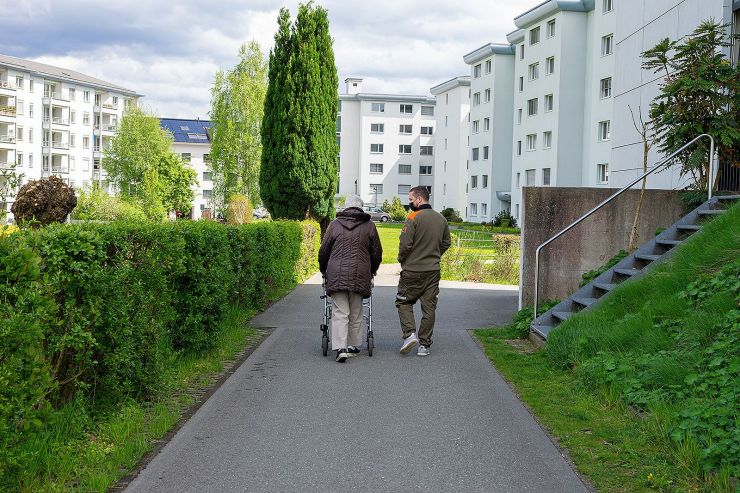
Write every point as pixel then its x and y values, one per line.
pixel 324 344
pixel 370 345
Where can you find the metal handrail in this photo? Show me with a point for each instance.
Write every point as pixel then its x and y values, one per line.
pixel 612 197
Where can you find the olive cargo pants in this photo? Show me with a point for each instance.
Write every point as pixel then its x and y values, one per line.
pixel 412 287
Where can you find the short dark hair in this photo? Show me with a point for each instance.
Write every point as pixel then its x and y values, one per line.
pixel 421 192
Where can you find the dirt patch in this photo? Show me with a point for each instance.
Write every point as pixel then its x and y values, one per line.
pixel 521 345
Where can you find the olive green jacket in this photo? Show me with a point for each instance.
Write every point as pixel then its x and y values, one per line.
pixel 424 238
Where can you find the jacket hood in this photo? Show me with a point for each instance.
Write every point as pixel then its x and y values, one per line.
pixel 352 217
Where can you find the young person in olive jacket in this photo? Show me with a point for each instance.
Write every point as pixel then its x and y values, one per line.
pixel 424 238
pixel 349 257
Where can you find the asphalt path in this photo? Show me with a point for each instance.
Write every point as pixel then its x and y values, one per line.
pixel 290 419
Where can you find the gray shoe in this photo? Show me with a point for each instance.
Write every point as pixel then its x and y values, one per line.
pixel 423 351
pixel 409 343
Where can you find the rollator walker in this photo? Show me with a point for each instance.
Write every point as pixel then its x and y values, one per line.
pixel 367 318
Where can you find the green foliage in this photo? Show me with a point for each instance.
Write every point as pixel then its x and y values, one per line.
pixel 239 210
pixel 698 95
pixel 96 311
pixel 522 321
pixel 451 215
pixel 237 106
pixel 10 181
pixel 396 210
pixel 504 219
pixel 593 274
pixel 482 258
pixel 142 166
pixel 94 204
pixel 299 176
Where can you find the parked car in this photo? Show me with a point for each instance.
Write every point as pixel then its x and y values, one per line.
pixel 260 213
pixel 377 214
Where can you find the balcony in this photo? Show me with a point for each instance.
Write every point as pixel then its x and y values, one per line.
pixel 57 144
pixel 7 111
pixel 55 95
pixel 59 121
pixel 7 139
pixel 59 169
pixel 4 84
pixel 6 165
pixel 109 106
pixel 110 128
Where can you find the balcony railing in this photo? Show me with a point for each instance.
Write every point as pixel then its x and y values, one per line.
pixel 7 139
pixel 60 121
pixel 58 168
pixel 7 85
pixel 55 95
pixel 6 165
pixel 110 106
pixel 7 110
pixel 110 128
pixel 57 144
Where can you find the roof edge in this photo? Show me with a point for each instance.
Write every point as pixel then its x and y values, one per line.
pixel 460 81
pixel 549 7
pixel 488 50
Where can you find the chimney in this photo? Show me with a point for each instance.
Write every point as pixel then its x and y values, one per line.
pixel 354 86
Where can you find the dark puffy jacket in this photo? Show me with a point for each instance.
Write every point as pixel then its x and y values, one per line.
pixel 351 253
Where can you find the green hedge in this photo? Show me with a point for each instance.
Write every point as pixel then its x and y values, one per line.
pixel 95 311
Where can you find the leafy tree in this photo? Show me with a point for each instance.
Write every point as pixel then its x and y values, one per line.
pixel 237 106
pixel 144 169
pixel 95 204
pixel 299 177
pixel 239 210
pixel 698 95
pixel 10 180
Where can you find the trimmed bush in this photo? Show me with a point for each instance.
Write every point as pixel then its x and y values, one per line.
pixel 96 205
pixel 44 201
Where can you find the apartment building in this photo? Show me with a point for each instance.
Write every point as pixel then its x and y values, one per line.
pixel 386 142
pixel 564 69
pixel 192 142
pixel 451 134
pixel 55 121
pixel 489 156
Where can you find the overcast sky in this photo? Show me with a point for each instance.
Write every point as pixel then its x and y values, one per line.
pixel 170 51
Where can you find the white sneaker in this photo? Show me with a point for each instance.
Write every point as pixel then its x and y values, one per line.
pixel 423 351
pixel 409 343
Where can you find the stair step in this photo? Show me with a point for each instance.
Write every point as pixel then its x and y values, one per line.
pixel 541 329
pixel 645 256
pixel 668 242
pixel 688 227
pixel 583 301
pixel 604 286
pixel 562 315
pixel 712 212
pixel 627 272
pixel 728 197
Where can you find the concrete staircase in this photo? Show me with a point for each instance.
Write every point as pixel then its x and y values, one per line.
pixel 632 266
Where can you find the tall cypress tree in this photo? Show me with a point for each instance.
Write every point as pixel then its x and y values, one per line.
pixel 299 159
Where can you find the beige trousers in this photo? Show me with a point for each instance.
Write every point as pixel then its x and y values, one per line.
pixel 346 320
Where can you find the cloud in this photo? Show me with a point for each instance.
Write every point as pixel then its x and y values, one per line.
pixel 171 51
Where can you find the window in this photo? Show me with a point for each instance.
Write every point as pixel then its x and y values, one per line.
pixel 486 95
pixel 404 189
pixel 72 117
pixel 19 82
pixel 484 209
pixel 425 170
pixel 534 71
pixel 404 129
pixel 531 142
pixel 115 101
pixel 608 6
pixel 548 102
pixel 607 45
pixel 532 107
pixel 426 150
pixel 377 107
pixel 97 99
pixel 534 36
pixel 474 182
pixel 377 128
pixel 446 120
pixel 376 168
pixel 30 160
pixel 186 157
pixel 86 141
pixel 546 176
pixel 19 159
pixel 549 65
pixel 30 135
pixel 602 173
pixel 486 124
pixel 196 136
pixel 427 130
pixel 86 118
pixel 518 147
pixel 30 110
pixel 485 152
pixel 207 194
pixel 546 139
pixel 184 128
pixel 72 94
pixel 476 71
pixel 606 88
pixel 85 164
pixel 404 169
pixel 484 179
pixel 19 107
pixel 427 111
pixel 376 148
pixel 519 116
pixel 207 176
pixel 207 158
pixel 521 83
pixel 445 143
pixel 604 130
pixel 19 134
pixel 476 126
pixel 550 28
pixel 476 99
pixel 518 180
pixel 86 96
pixel 521 51
pixel 404 148
pixel 72 139
pixel 476 153
pixel 488 66
pixel 473 209
pixel 406 108
pixel 529 178
pixel 447 99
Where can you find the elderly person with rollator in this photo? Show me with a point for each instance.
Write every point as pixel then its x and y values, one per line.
pixel 349 257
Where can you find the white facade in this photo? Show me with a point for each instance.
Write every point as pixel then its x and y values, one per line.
pixel 451 135
pixel 55 121
pixel 490 131
pixel 387 144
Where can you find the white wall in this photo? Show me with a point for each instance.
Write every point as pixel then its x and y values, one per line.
pixel 450 159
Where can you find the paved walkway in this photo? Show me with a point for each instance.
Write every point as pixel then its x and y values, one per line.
pixel 291 420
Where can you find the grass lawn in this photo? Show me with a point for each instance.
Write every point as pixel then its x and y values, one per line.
pixel 389 233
